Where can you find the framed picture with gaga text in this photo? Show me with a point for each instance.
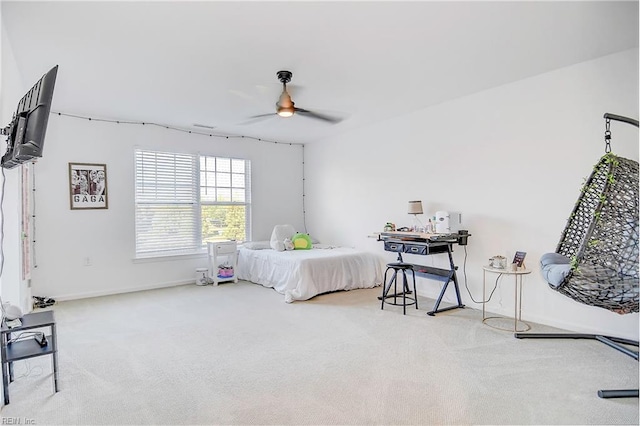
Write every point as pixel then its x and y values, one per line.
pixel 88 186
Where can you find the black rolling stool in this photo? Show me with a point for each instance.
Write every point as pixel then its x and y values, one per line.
pixel 399 267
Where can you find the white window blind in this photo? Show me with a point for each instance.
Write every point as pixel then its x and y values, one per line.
pixel 184 200
pixel 167 210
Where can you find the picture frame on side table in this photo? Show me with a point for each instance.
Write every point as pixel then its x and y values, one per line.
pixel 88 186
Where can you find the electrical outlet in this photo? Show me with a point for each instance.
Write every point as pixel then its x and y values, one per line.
pixel 87 261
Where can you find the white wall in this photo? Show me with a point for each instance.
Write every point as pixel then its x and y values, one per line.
pixel 12 88
pixel 511 159
pixel 65 237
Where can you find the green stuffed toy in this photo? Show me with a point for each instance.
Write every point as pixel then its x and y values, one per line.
pixel 301 242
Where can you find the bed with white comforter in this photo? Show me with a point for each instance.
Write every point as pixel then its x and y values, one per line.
pixel 303 274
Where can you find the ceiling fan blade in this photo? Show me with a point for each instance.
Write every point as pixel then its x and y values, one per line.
pixel 317 116
pixel 257 118
pixel 263 115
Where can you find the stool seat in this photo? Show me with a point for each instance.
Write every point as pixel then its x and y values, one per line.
pixel 399 267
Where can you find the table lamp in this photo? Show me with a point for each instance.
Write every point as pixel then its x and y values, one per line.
pixel 415 208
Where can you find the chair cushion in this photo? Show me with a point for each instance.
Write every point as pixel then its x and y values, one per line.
pixel 555 268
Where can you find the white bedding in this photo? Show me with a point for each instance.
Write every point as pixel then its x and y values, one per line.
pixel 303 274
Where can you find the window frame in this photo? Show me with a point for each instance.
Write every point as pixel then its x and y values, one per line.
pixel 199 245
pixel 247 188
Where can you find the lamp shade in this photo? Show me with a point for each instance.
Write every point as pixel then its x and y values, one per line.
pixel 415 207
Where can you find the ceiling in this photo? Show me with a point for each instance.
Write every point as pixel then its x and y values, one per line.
pixel 214 63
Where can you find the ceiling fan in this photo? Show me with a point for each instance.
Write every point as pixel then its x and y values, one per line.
pixel 286 107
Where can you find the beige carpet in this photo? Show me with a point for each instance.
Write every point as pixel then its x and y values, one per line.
pixel 237 354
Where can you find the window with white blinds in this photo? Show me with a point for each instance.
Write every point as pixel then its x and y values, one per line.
pixel 184 200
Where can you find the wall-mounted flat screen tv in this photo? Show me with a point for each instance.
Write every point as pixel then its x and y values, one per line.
pixel 29 124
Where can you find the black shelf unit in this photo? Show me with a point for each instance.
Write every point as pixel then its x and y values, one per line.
pixel 27 348
pixel 24 349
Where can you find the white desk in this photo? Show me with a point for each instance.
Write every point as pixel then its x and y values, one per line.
pixel 517 317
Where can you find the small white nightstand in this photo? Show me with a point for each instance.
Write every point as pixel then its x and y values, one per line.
pixel 223 261
pixel 517 317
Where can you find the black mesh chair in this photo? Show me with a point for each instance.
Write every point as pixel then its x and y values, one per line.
pixel 596 260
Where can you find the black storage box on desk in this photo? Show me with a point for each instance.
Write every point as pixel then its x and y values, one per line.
pixel 394 246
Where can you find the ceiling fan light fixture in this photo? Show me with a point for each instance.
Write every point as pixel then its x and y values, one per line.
pixel 286 107
pixel 285 111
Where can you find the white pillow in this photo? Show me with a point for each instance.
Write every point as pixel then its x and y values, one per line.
pixel 257 245
pixel 279 234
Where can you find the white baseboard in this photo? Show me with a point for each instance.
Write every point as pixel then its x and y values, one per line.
pixel 75 296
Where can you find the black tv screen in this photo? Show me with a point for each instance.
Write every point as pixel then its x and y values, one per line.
pixel 29 124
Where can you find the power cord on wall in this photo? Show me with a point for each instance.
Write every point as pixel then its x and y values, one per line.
pixel 174 128
pixel 33 217
pixel 304 210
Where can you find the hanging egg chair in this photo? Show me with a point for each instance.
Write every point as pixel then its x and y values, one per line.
pixel 596 260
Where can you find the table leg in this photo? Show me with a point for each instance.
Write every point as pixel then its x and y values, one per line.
pixel 515 306
pixel 7 339
pixel 520 301
pixel 5 383
pixel 518 307
pixel 54 356
pixel 5 370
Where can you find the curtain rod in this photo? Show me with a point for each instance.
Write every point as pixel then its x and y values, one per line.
pixel 621 118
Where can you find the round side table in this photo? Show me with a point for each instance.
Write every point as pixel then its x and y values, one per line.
pixel 517 317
